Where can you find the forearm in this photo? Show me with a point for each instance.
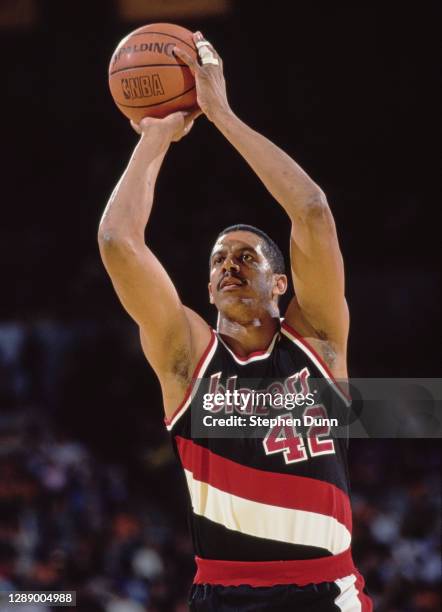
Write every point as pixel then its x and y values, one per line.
pixel 130 204
pixel 281 175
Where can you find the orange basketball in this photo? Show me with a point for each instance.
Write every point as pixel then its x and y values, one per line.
pixel 145 78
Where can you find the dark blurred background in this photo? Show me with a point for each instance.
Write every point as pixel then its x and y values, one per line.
pixel 90 494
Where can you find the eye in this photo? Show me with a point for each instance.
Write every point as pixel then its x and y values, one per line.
pixel 247 257
pixel 218 259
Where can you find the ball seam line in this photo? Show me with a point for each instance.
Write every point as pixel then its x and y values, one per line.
pixel 147 66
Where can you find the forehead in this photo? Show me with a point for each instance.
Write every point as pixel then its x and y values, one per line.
pixel 239 239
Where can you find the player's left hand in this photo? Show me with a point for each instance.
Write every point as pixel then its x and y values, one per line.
pixel 209 77
pixel 173 126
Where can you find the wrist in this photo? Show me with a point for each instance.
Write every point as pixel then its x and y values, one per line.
pixel 222 116
pixel 156 135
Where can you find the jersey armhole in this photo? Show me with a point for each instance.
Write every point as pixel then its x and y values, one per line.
pixel 316 358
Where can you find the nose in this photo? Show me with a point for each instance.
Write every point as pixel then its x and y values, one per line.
pixel 230 264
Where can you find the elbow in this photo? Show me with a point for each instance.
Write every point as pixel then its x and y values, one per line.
pixel 106 237
pixel 113 235
pixel 310 205
pixel 114 244
pixel 315 207
pixel 314 213
pixel 316 202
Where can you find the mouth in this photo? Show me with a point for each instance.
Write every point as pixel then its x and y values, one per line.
pixel 231 284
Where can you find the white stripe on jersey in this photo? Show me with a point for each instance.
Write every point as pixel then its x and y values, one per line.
pixel 348 600
pixel 266 521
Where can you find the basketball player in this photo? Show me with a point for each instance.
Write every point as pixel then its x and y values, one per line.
pixel 270 518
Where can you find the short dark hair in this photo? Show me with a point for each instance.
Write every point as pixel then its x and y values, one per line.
pixel 271 249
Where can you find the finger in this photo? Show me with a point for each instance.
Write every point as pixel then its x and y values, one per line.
pixel 190 118
pixel 195 114
pixel 181 114
pixel 206 52
pixel 184 132
pixel 200 40
pixel 179 118
pixel 188 127
pixel 135 126
pixel 198 37
pixel 185 57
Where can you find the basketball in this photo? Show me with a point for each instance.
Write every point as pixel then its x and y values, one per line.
pixel 145 78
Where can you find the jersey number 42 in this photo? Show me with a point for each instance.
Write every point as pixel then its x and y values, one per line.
pixel 285 439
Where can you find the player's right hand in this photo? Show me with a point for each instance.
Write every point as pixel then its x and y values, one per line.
pixel 174 126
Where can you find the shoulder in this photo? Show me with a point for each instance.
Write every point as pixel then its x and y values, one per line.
pixel 182 354
pixel 185 360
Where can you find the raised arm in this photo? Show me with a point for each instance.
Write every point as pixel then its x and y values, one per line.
pixel 167 328
pixel 316 261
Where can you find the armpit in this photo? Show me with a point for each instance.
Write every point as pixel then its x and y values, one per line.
pixel 328 352
pixel 181 365
pixel 177 362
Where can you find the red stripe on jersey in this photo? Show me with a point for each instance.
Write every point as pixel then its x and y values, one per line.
pixel 366 603
pixel 269 573
pixel 168 420
pixel 316 354
pixel 283 490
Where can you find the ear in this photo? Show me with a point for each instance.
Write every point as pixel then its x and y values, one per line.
pixel 280 284
pixel 211 300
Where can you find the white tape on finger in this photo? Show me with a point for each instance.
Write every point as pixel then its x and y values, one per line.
pixel 202 43
pixel 210 60
pixel 207 56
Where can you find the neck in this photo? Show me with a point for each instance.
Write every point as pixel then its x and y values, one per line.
pixel 245 337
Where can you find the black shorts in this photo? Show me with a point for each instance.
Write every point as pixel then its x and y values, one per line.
pixel 323 597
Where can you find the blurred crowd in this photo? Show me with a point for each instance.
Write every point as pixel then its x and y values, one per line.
pixel 396 498
pixel 75 515
pixel 69 522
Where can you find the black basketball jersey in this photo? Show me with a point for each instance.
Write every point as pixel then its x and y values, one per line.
pixel 283 496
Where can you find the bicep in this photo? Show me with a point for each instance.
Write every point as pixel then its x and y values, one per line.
pixel 149 296
pixel 318 273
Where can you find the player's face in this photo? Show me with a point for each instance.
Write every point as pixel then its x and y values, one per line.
pixel 241 276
